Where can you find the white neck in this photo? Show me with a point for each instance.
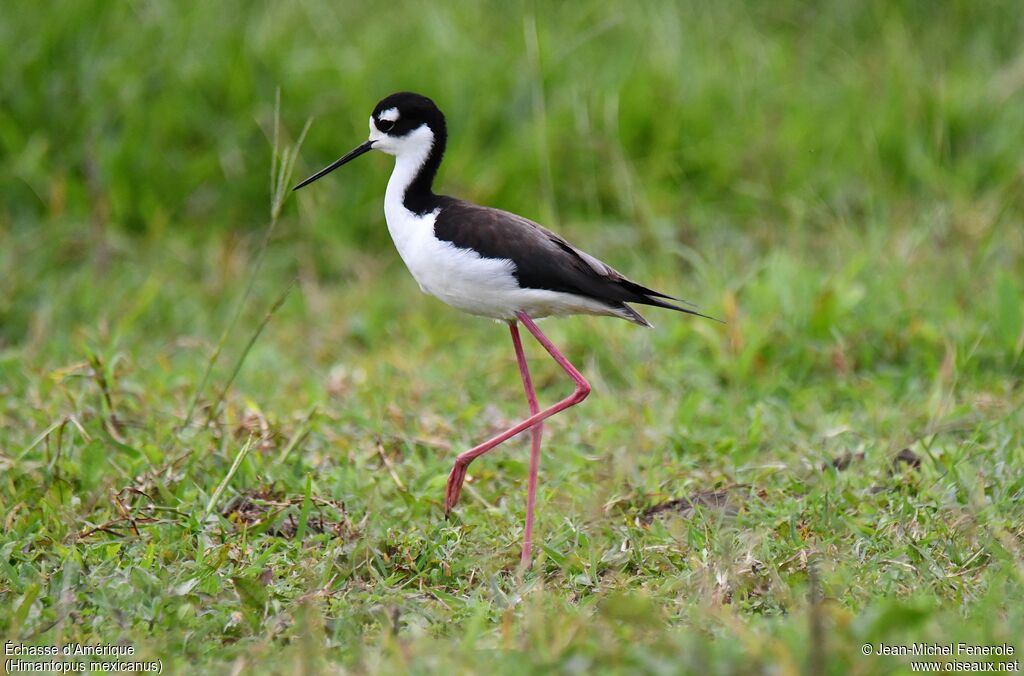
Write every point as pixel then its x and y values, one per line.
pixel 407 165
pixel 406 168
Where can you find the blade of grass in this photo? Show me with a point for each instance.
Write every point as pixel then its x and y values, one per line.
pixel 298 436
pixel 239 457
pixel 307 502
pixel 282 166
pixel 42 435
pixel 215 408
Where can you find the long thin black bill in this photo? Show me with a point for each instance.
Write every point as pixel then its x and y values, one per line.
pixel 348 157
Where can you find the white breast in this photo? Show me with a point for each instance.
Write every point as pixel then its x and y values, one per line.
pixel 460 278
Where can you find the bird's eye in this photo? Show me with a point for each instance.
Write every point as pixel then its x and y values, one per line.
pixel 385 125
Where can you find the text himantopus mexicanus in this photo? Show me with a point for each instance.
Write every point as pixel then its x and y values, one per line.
pixel 489 263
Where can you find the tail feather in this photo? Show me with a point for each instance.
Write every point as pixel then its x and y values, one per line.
pixel 642 290
pixel 644 296
pixel 657 302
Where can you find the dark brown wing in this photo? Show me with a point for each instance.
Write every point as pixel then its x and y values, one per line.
pixel 542 259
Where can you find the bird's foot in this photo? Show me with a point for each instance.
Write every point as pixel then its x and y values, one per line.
pixel 455 479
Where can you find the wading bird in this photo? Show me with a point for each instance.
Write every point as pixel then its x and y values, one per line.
pixel 489 263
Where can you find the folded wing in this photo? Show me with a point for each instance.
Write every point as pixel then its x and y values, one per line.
pixel 542 259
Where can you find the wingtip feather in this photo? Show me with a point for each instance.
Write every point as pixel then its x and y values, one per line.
pixel 656 302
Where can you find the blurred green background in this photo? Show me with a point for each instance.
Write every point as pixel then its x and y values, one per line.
pixel 842 182
pixel 793 114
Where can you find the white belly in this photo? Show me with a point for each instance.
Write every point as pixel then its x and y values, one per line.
pixel 469 282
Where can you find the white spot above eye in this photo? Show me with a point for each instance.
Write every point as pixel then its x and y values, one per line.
pixel 389 115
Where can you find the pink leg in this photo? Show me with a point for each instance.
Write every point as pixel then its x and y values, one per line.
pixel 458 474
pixel 535 435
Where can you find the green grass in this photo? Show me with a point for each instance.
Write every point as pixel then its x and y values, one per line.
pixel 842 184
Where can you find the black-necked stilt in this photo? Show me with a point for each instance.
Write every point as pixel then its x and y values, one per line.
pixel 489 263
